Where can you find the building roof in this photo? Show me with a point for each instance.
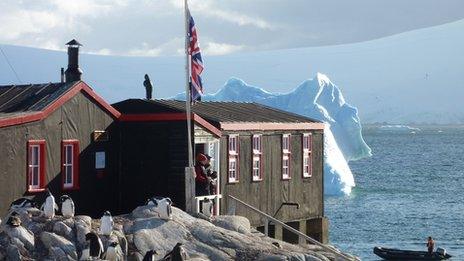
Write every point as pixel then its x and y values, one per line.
pixel 215 111
pixel 26 103
pixel 224 115
pixel 16 99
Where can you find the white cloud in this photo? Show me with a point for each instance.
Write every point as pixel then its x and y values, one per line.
pixel 145 50
pixel 213 48
pixel 208 8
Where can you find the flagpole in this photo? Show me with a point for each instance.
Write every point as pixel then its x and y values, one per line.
pixel 187 87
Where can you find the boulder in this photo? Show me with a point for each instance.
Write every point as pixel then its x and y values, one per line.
pixel 22 234
pixel 63 230
pixel 13 254
pixel 53 240
pixel 234 223
pixel 82 228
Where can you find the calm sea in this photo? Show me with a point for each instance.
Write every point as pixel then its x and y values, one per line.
pixel 411 188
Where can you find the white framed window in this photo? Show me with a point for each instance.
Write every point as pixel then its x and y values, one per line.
pixel 233 157
pixel 286 156
pixel 307 146
pixel 70 163
pixel 257 173
pixel 35 165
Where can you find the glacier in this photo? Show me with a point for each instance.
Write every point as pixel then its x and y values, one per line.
pixel 320 99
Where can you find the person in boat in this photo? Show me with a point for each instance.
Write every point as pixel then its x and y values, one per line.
pixel 430 245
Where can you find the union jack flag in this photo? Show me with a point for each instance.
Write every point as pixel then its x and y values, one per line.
pixel 196 63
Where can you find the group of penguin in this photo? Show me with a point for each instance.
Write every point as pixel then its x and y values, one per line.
pixel 94 248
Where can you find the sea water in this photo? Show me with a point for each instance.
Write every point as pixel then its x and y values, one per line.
pixel 411 188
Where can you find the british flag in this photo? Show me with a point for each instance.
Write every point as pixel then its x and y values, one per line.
pixel 196 63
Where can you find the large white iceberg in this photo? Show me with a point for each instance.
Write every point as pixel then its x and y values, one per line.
pixel 320 99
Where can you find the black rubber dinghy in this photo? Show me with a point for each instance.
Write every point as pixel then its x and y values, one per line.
pixel 397 254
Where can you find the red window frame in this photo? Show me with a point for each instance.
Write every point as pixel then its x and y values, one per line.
pixel 286 156
pixel 35 166
pixel 233 158
pixel 307 153
pixel 256 157
pixel 70 163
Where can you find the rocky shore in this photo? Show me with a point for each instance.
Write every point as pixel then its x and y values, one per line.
pixel 220 238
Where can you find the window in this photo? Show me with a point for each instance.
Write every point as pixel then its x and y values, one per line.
pixel 70 163
pixel 233 148
pixel 256 157
pixel 307 145
pixel 286 156
pixel 35 165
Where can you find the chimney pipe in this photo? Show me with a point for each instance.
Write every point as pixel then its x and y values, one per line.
pixel 73 73
pixel 62 75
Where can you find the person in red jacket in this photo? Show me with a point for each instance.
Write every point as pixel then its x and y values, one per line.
pixel 201 178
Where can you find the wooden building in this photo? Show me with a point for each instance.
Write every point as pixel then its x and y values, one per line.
pixel 48 139
pixel 271 159
pixel 64 137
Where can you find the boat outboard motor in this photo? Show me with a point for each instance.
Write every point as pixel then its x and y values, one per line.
pixel 441 251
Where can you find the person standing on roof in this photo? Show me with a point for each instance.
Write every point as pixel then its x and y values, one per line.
pixel 148 87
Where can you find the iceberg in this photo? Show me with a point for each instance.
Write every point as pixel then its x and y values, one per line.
pixel 320 99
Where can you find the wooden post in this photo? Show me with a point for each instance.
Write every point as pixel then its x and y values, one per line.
pixel 302 229
pixel 190 203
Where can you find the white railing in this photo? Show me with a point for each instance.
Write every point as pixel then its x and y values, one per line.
pixel 268 218
pixel 215 198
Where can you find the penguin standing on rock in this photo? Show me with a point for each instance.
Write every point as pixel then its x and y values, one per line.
pixel 178 253
pixel 106 224
pixel 150 255
pixel 67 206
pixel 113 252
pixel 23 203
pixel 49 206
pixel 95 248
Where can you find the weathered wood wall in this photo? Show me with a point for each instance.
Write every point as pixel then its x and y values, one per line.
pixel 152 162
pixel 76 119
pixel 272 191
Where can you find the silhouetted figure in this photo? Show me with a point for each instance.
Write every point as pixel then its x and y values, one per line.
pixel 430 245
pixel 148 87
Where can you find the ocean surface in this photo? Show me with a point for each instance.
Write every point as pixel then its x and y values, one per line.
pixel 411 188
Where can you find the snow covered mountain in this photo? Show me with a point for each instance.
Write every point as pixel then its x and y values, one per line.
pixel 413 77
pixel 317 98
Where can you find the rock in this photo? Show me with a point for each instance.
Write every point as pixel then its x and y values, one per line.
pixel 86 219
pixel 234 223
pixel 57 253
pixel 81 230
pixel 22 234
pixel 60 228
pixel 312 258
pixel 53 240
pixel 12 253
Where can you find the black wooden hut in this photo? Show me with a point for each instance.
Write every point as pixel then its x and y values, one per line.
pixel 57 136
pixel 271 159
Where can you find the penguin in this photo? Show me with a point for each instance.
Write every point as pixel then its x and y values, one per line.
pixel 207 207
pixel 162 206
pixel 95 245
pixel 23 203
pixel 106 224
pixel 178 253
pixel 49 206
pixel 67 206
pixel 113 252
pixel 150 255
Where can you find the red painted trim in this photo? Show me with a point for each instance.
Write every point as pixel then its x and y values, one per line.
pixel 288 155
pixel 310 161
pixel 261 126
pixel 78 87
pixel 260 155
pixel 42 159
pixel 21 119
pixel 75 165
pixel 237 162
pixel 207 125
pixel 178 116
pixel 175 116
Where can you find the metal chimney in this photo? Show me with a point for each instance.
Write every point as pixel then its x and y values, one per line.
pixel 73 73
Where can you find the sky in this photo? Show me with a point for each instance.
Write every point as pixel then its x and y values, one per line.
pixel 156 27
